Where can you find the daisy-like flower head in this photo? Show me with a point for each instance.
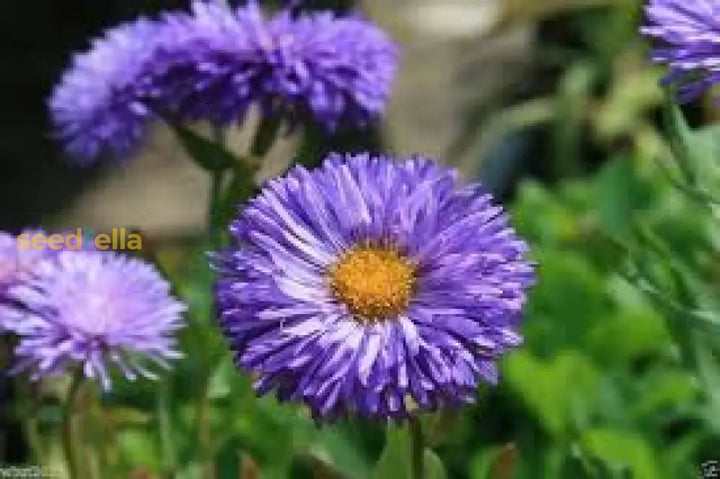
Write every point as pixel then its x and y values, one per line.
pixel 92 309
pixel 372 286
pixel 689 37
pixel 97 108
pixel 319 67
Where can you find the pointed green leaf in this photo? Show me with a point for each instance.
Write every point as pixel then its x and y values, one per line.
pixel 240 187
pixel 618 195
pixel 709 375
pixel 433 465
pixel 206 153
pixel 681 137
pixel 266 135
pixel 394 462
pixel 623 449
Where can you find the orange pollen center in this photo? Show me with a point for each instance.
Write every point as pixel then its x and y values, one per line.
pixel 375 283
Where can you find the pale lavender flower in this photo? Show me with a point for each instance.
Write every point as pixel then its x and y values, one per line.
pixel 91 310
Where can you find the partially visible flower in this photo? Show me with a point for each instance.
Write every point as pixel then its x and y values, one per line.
pixel 689 42
pixel 329 69
pixel 372 286
pixel 16 263
pixel 97 108
pixel 214 64
pixel 92 309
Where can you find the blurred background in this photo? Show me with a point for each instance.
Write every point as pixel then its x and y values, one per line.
pixel 553 105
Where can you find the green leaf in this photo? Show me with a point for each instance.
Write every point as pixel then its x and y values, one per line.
pixel 558 408
pixel 695 151
pixel 340 451
pixel 394 462
pixel 441 425
pixel 623 448
pixel 433 465
pixel 138 447
pixel 664 389
pixel 629 335
pixel 681 137
pixel 207 154
pixel 241 187
pixel 482 463
pixel 709 375
pixel 572 99
pixel 623 112
pixel 618 195
pixel 220 383
pixel 266 134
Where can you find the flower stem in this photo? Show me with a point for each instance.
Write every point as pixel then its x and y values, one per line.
pixel 215 237
pixel 165 429
pixel 417 448
pixel 215 206
pixel 203 423
pixel 70 435
pixel 216 186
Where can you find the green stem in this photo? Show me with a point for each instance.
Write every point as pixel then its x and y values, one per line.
pixel 165 430
pixel 208 466
pixel 216 185
pixel 29 395
pixel 215 208
pixel 417 448
pixel 70 435
pixel 216 243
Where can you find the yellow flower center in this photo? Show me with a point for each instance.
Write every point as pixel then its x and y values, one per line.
pixel 375 282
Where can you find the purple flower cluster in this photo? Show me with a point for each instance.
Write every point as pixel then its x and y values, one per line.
pixel 372 286
pixel 213 64
pixel 86 308
pixel 689 36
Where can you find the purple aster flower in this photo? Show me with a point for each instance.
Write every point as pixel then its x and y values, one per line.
pixel 217 63
pixel 214 64
pixel 372 286
pixel 92 309
pixel 97 108
pixel 689 33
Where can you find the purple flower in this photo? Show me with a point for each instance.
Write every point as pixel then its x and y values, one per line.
pixel 372 286
pixel 689 35
pixel 97 108
pixel 92 309
pixel 214 64
pixel 217 63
